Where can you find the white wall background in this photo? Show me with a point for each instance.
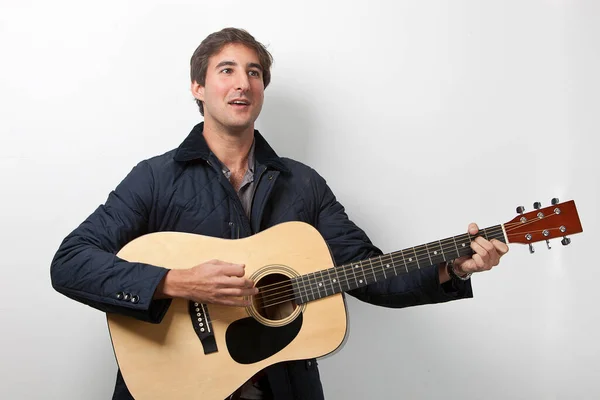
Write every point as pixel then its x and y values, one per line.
pixel 422 115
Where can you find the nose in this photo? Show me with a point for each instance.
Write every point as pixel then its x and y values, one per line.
pixel 242 82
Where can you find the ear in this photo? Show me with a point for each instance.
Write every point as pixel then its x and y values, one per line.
pixel 197 91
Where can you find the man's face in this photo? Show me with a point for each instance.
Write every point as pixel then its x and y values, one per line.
pixel 233 93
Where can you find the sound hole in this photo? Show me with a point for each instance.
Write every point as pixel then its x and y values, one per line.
pixel 275 298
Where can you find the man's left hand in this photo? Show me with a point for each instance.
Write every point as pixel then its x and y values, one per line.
pixel 487 254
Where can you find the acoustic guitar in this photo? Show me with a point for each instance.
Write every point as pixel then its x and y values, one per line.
pixel 207 351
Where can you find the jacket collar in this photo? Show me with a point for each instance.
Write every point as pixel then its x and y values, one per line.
pixel 194 147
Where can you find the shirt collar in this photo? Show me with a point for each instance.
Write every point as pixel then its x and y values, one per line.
pixel 194 147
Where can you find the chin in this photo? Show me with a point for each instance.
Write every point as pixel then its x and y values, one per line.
pixel 241 123
pixel 239 126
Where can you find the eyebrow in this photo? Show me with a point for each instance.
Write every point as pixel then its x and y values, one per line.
pixel 233 63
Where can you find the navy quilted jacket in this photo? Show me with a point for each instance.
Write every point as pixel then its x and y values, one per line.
pixel 184 190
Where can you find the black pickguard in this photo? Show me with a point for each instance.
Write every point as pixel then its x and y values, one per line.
pixel 249 341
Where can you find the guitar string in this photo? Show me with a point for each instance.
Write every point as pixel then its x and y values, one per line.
pixel 287 293
pixel 492 231
pixel 377 270
pixel 376 266
pixel 417 249
pixel 344 274
pixel 507 227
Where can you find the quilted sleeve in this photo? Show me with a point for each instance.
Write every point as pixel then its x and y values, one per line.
pixel 85 267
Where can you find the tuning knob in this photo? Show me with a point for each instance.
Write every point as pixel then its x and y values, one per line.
pixel 531 249
pixel 520 210
pixel 565 241
pixel 537 205
pixel 555 201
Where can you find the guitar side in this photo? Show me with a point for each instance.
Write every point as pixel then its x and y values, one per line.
pixel 167 360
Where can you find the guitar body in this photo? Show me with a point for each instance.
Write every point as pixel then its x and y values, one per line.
pixel 169 361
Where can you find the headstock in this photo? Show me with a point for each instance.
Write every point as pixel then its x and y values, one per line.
pixel 557 220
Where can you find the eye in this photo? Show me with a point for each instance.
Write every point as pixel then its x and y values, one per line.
pixel 255 73
pixel 226 70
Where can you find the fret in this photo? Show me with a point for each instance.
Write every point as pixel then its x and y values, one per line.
pixel 321 284
pixel 436 252
pixel 296 289
pixel 443 255
pixel 463 245
pixel 428 254
pixel 373 270
pixel 393 263
pixel 327 281
pixel 417 258
pixel 338 279
pixel 485 233
pixel 353 269
pixel 363 273
pixel 310 285
pixel 306 283
pixel 331 281
pixel 346 276
pixel 383 266
pixel 302 286
pixel 317 286
pixel 404 259
pixel 456 246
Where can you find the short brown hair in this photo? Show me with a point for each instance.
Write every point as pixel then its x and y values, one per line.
pixel 214 43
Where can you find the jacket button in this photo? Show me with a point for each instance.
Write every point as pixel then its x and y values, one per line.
pixel 127 297
pixel 230 223
pixel 309 363
pixel 120 295
pixel 135 299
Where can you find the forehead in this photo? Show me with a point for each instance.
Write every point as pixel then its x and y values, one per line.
pixel 235 52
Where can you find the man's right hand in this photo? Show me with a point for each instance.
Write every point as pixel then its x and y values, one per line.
pixel 215 282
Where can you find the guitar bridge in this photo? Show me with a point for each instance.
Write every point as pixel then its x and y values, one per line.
pixel 203 326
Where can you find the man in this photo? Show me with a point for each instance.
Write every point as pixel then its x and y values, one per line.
pixel 224 180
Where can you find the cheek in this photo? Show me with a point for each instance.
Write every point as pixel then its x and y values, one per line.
pixel 259 92
pixel 217 91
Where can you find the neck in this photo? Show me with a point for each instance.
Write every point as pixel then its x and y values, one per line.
pixel 231 147
pixel 327 282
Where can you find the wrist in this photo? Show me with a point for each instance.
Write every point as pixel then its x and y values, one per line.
pixel 170 286
pixel 457 273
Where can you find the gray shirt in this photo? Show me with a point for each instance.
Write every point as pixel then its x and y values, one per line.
pixel 246 191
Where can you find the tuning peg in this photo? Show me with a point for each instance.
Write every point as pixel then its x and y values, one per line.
pixel 520 209
pixel 531 249
pixel 565 241
pixel 555 201
pixel 537 205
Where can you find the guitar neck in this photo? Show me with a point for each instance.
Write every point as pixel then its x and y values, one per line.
pixel 346 277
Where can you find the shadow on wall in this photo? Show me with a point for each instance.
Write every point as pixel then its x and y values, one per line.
pixel 287 125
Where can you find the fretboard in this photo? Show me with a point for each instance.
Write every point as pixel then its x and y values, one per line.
pixel 346 277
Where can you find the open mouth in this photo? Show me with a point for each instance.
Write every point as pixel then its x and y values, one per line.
pixel 239 103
